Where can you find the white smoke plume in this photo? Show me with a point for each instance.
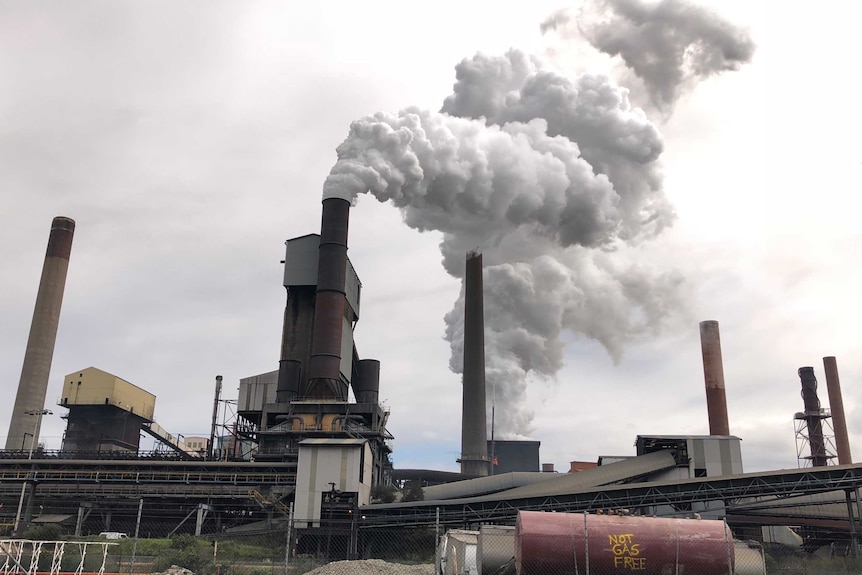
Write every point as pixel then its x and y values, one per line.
pixel 555 180
pixel 670 44
pixel 546 206
pixel 616 139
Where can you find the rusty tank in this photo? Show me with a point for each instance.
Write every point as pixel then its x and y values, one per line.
pixel 570 543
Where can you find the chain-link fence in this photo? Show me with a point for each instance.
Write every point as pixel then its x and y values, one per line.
pixel 549 544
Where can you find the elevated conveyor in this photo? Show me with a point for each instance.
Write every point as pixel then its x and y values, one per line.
pixel 161 434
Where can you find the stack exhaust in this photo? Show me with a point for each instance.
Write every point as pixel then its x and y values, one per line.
pixel 813 417
pixel 474 444
pixel 713 375
pixel 324 373
pixel 836 404
pixel 33 385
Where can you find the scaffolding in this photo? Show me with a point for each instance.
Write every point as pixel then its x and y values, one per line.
pixel 802 422
pixel 22 556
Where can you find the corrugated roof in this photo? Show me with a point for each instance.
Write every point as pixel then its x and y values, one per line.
pixel 827 505
pixel 51 518
pixel 562 484
pixel 482 485
pixel 604 475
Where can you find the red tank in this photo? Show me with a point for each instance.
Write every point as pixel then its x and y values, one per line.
pixel 574 543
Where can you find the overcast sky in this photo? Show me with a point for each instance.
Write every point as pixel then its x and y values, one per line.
pixel 188 141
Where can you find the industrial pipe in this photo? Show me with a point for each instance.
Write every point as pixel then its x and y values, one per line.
pixel 836 405
pixel 713 375
pixel 345 419
pixel 324 370
pixel 290 417
pixel 33 385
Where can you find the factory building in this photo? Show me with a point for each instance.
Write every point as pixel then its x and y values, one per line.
pixel 278 410
pixel 514 455
pixel 313 434
pixel 698 455
pixel 106 413
pixel 333 478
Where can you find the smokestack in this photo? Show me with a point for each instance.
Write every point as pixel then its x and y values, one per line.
pixel 211 445
pixel 33 385
pixel 713 376
pixel 474 443
pixel 324 370
pixel 366 384
pixel 813 417
pixel 836 404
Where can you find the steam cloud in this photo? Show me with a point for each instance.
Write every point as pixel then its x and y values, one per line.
pixel 553 179
pixel 670 45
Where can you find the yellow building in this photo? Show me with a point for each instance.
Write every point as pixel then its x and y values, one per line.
pixel 105 412
pixel 92 386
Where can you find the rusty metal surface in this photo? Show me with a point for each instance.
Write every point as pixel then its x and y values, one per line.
pixel 836 404
pixel 557 543
pixel 298 326
pixel 324 371
pixel 60 239
pixel 813 416
pixel 366 385
pixel 289 380
pixel 713 375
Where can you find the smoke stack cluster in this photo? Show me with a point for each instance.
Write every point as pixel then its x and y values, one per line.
pixel 474 444
pixel 33 385
pixel 713 375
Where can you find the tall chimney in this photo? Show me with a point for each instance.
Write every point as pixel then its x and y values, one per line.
pixel 713 375
pixel 836 404
pixel 813 417
pixel 33 386
pixel 324 373
pixel 211 446
pixel 474 443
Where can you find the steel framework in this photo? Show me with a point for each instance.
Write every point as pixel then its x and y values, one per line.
pixel 678 494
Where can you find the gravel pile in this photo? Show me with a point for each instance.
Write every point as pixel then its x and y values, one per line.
pixel 371 567
pixel 175 570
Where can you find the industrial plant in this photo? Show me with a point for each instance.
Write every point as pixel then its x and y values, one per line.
pixel 309 443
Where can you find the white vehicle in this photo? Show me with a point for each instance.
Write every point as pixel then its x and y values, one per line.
pixel 113 535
